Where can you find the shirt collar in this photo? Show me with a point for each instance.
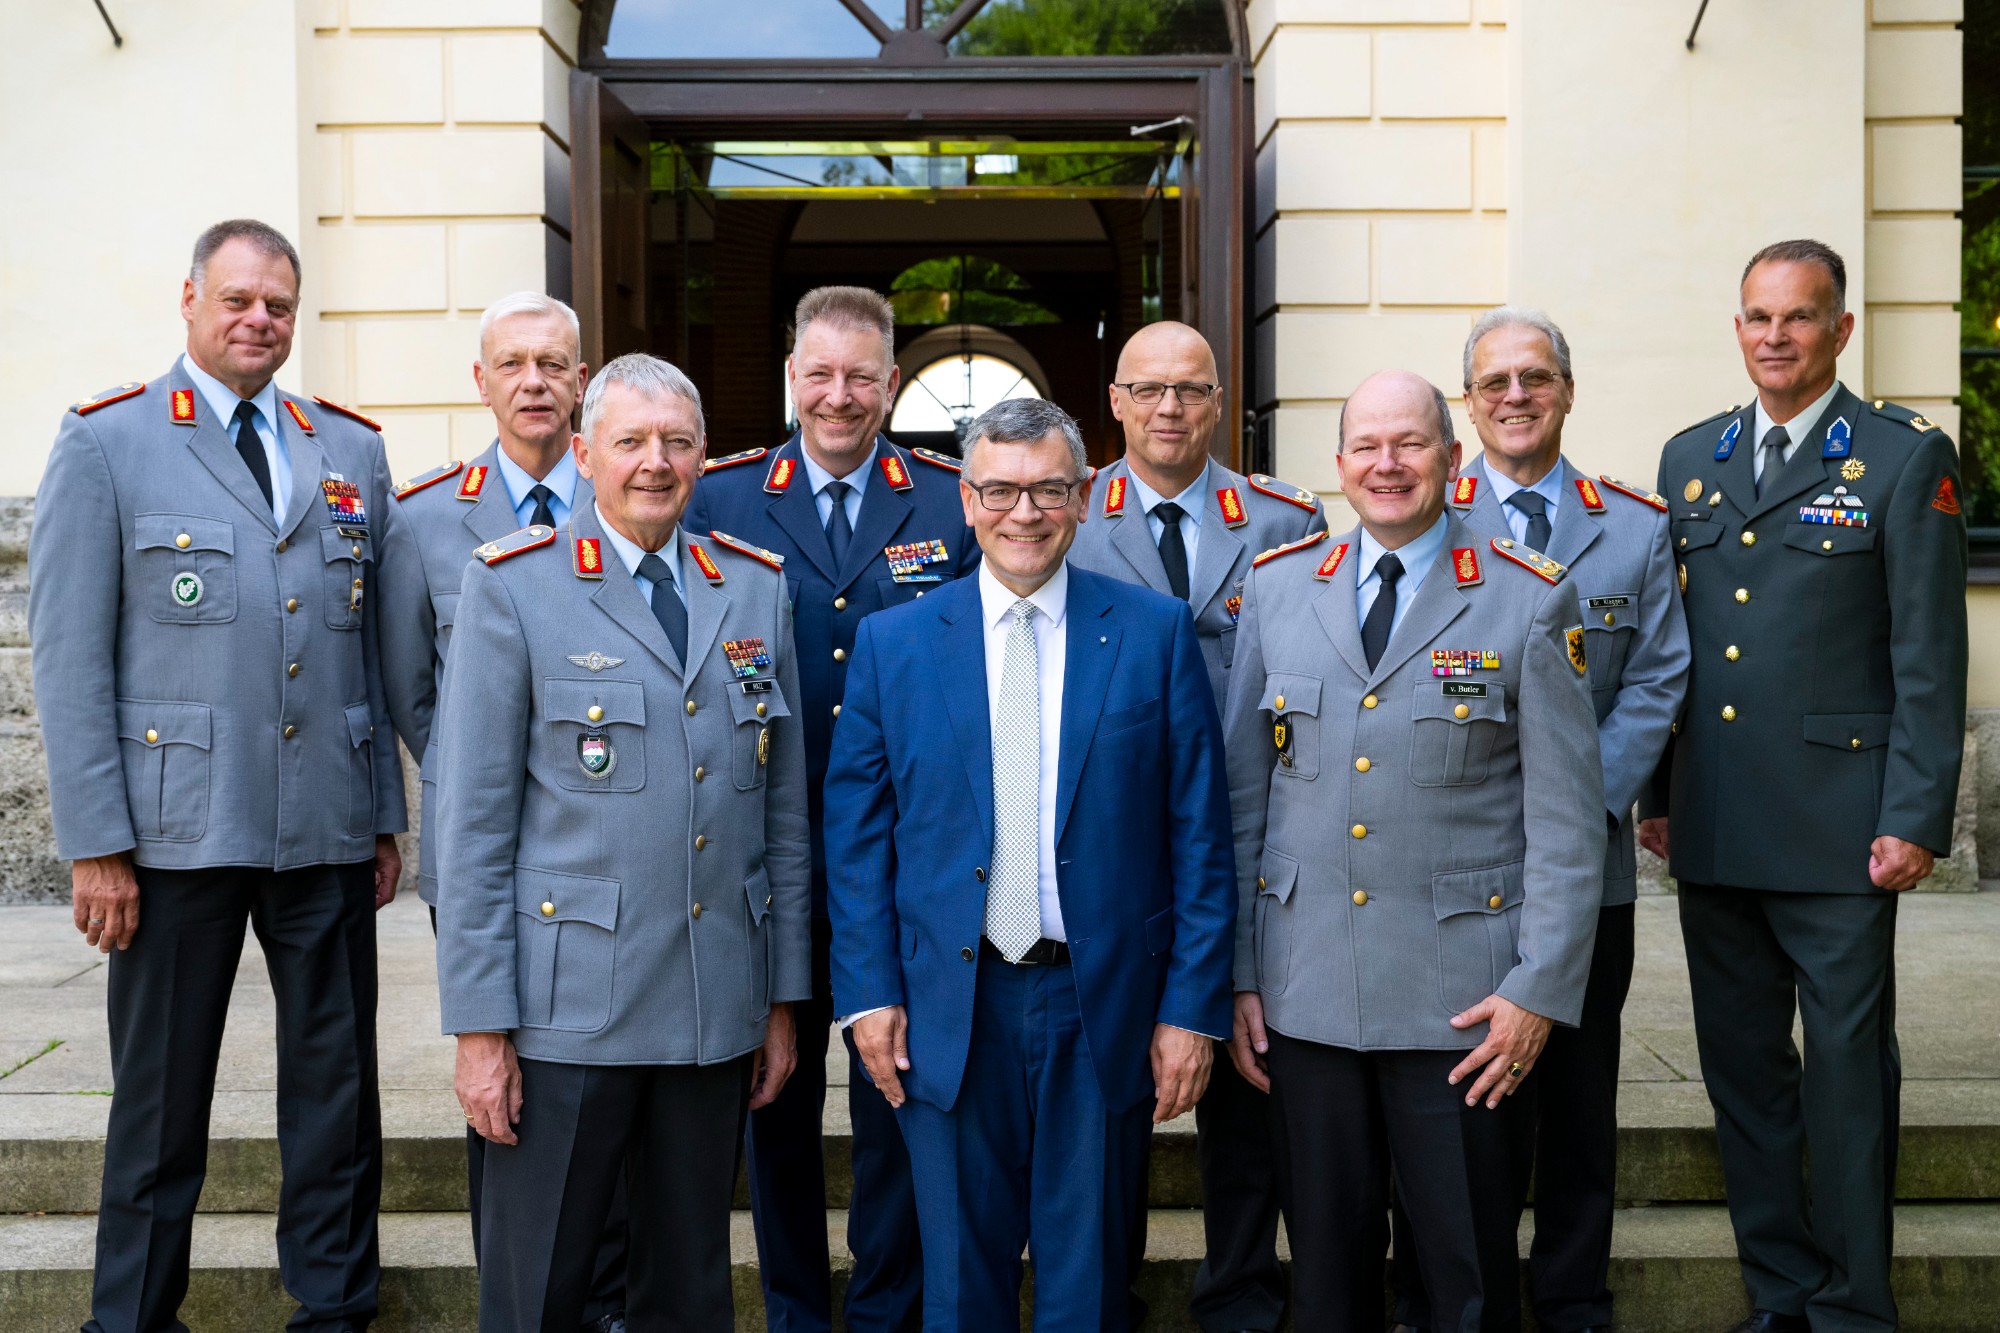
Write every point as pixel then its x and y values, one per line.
pixel 1549 486
pixel 561 480
pixel 996 600
pixel 222 399
pixel 1416 555
pixel 1800 424
pixel 1188 500
pixel 820 478
pixel 630 553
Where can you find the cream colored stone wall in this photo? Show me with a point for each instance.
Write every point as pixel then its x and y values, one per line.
pixel 433 125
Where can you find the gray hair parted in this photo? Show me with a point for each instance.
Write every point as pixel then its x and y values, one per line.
pixel 646 374
pixel 1518 317
pixel 1025 421
pixel 529 303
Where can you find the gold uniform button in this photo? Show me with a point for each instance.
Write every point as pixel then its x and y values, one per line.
pixel 292 604
pixel 699 773
pixel 700 841
pixel 283 546
pixel 836 710
pixel 840 603
pixel 1368 701
pixel 1278 702
pixel 151 736
pixel 1684 542
pixel 1361 897
pixel 594 713
pixel 1729 712
pixel 1742 594
pixel 548 909
pixel 184 541
pixel 1461 711
pixel 690 708
pixel 762 709
pixel 1748 539
pixel 1362 765
pixel 840 654
pixel 1854 744
pixel 1732 652
pixel 697 911
pixel 1260 882
pixel 1359 830
pixel 1826 546
pixel 1494 902
pixel 357 550
pixel 291 732
pixel 1610 618
pixel 292 670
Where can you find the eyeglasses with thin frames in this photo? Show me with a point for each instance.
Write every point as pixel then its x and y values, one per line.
pixel 1534 383
pixel 1002 496
pixel 1190 393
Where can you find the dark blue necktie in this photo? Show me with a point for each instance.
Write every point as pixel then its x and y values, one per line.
pixel 668 608
pixel 543 514
pixel 251 446
pixel 839 532
pixel 1537 510
pixel 1382 615
pixel 1173 546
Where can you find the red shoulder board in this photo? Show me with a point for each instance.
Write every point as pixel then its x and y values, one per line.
pixel 731 460
pixel 182 409
pixel 1232 508
pixel 373 425
pixel 763 557
pixel 1591 499
pixel 1289 547
pixel 936 459
pixel 1528 558
pixel 708 569
pixel 1114 497
pixel 1463 490
pixel 1465 566
pixel 1643 497
pixel 472 483
pixel 119 395
pixel 299 415
pixel 780 475
pixel 1331 564
pixel 588 558
pixel 431 478
pixel 1281 490
pixel 898 475
pixel 505 548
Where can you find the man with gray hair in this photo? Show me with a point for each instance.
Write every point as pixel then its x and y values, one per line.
pixel 1518 390
pixel 622 871
pixel 1030 894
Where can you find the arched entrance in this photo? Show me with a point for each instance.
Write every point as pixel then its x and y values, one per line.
pixel 726 159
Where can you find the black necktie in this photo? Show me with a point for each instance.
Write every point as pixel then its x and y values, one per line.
pixel 668 609
pixel 252 447
pixel 543 515
pixel 1772 450
pixel 1375 629
pixel 1537 510
pixel 1173 547
pixel 839 532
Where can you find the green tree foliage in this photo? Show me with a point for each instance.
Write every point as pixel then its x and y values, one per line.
pixel 1090 28
pixel 1979 306
pixel 964 289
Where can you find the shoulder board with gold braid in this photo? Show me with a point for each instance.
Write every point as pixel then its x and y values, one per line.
pixel 1284 490
pixel 372 424
pixel 431 478
pixel 1898 413
pixel 763 557
pixel 731 460
pixel 1289 547
pixel 936 459
pixel 505 548
pixel 1732 411
pixel 1528 558
pixel 106 397
pixel 1643 497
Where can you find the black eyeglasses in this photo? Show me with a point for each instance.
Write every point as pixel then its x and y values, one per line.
pixel 1191 393
pixel 1004 495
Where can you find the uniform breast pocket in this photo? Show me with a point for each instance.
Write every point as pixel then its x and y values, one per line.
pixel 755 707
pixel 595 734
pixel 1610 620
pixel 1291 705
pixel 1454 727
pixel 895 594
pixel 1829 539
pixel 344 582
pixel 1693 534
pixel 187 568
pixel 165 750
pixel 565 942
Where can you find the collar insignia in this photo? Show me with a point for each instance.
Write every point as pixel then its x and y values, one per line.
pixel 1232 508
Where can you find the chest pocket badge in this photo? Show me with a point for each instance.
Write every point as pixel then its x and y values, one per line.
pixel 187 589
pixel 595 755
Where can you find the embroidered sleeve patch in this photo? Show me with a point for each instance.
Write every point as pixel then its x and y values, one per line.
pixel 1946 499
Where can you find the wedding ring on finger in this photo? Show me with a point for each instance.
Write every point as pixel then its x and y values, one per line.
pixel 1515 1070
pixel 97 921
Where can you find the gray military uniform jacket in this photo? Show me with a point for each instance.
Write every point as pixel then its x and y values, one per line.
pixel 623 860
pixel 1116 539
pixel 1827 701
pixel 206 675
pixel 1422 841
pixel 1621 572
pixel 441 516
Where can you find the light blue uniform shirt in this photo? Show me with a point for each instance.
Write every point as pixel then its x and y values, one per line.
pixel 222 401
pixel 1191 505
pixel 631 554
pixel 1549 488
pixel 857 485
pixel 561 482
pixel 1417 557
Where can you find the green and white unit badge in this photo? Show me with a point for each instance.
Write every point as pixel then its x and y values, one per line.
pixel 594 754
pixel 186 588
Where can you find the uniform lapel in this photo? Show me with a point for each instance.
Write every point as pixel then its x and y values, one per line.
pixel 1132 532
pixel 1575 527
pixel 1090 649
pixel 706 605
pixel 1437 604
pixel 1215 554
pixel 308 462
pixel 211 445
pixel 884 510
pixel 795 511
pixel 618 597
pixel 960 651
pixel 1335 607
pixel 1736 477
pixel 1807 469
pixel 492 515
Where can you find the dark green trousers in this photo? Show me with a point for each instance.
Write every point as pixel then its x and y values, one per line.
pixel 1815 1245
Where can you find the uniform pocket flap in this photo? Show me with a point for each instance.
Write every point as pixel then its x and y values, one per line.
pixel 1160 931
pixel 1276 875
pixel 551 896
pixel 757 890
pixel 1461 701
pixel 1829 538
pixel 165 724
pixel 1693 534
pixel 1286 692
pixel 336 545
pixel 762 701
pixel 1488 889
pixel 182 532
pixel 1611 611
pixel 613 701
pixel 360 725
pixel 1848 731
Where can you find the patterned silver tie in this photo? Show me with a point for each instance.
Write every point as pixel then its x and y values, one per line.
pixel 1013 887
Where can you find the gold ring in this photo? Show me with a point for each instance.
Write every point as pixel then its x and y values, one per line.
pixel 468 1119
pixel 1514 1070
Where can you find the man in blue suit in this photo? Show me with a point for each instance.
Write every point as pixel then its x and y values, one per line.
pixel 862 525
pixel 1028 831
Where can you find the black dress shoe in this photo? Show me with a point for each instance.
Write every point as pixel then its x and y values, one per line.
pixel 1770 1321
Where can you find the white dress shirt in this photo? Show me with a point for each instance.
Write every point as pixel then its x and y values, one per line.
pixel 996 617
pixel 1417 556
pixel 561 482
pixel 820 479
pixel 1796 428
pixel 222 401
pixel 631 553
pixel 1550 488
pixel 1190 501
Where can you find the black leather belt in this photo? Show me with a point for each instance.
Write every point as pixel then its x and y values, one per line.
pixel 1042 953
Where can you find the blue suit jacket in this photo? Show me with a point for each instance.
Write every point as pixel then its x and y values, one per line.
pixel 752 496
pixel 1142 829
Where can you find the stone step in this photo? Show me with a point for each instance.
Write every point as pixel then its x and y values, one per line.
pixel 52 1151
pixel 1673 1269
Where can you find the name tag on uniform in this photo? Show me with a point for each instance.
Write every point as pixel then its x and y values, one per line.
pixel 1464 689
pixel 1607 603
pixel 757 686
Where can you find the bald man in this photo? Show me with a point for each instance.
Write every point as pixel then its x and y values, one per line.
pixel 1172 517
